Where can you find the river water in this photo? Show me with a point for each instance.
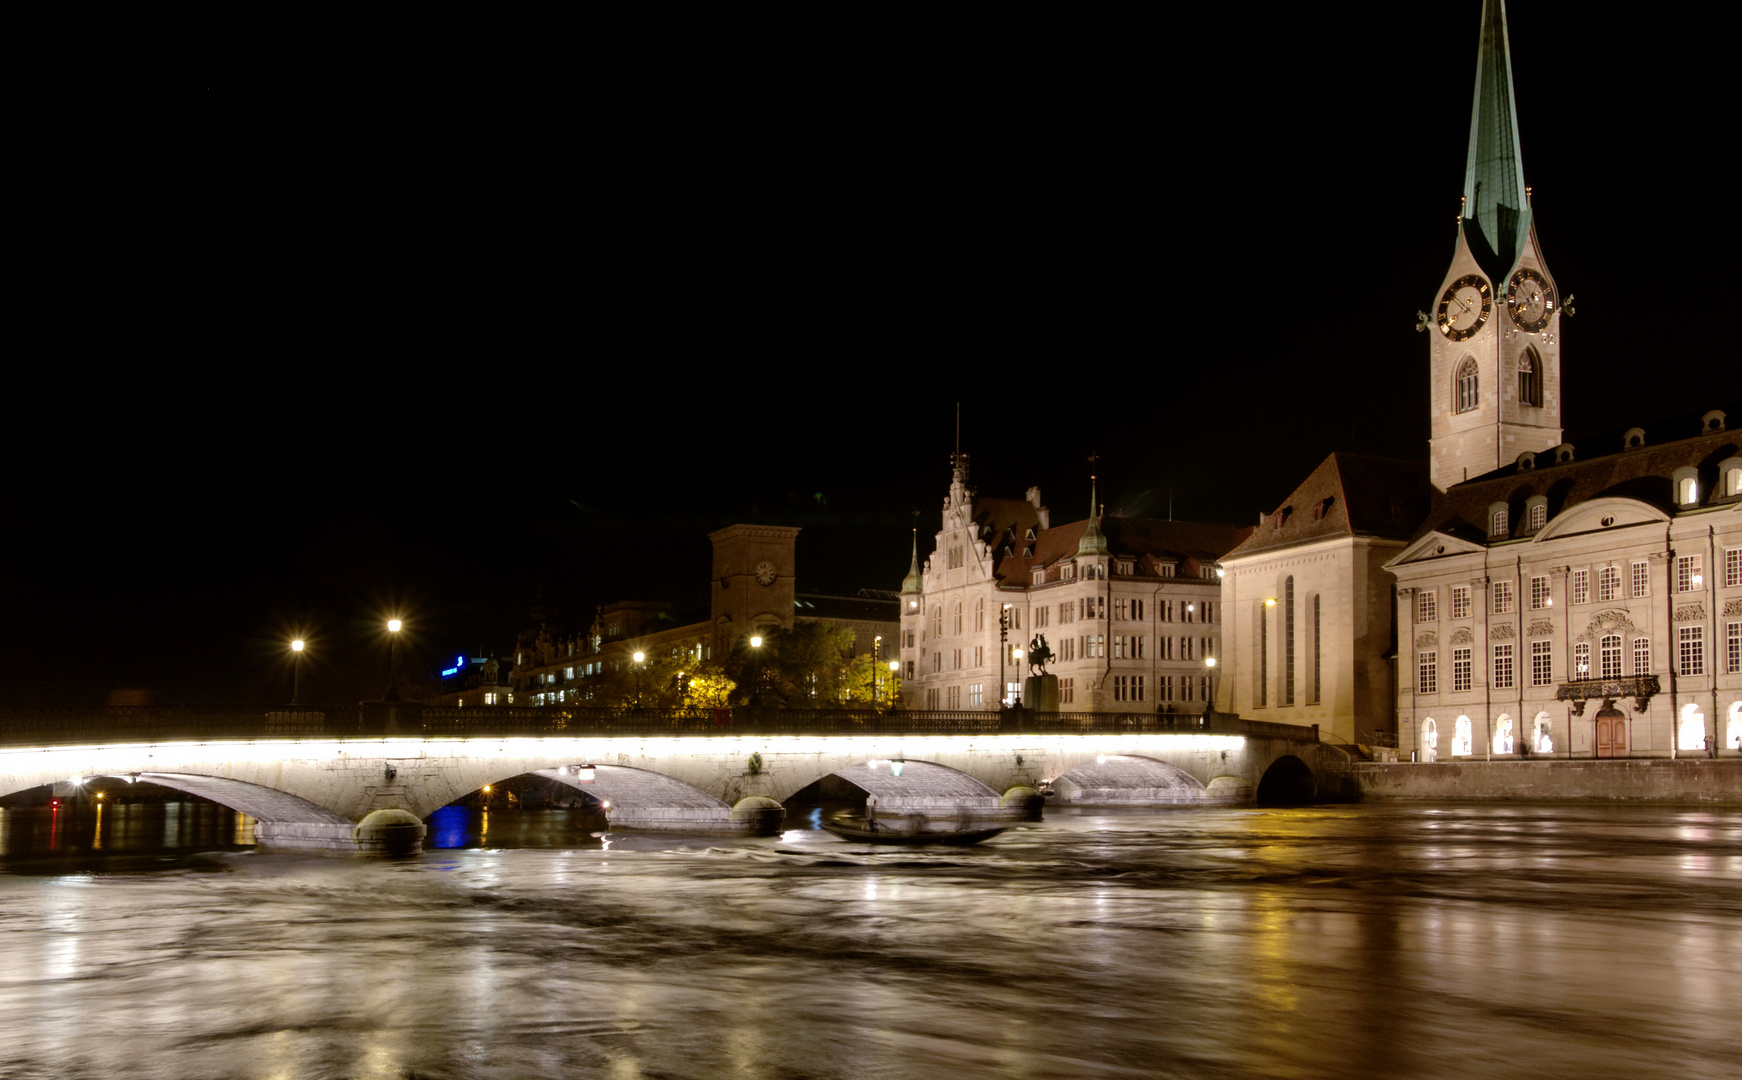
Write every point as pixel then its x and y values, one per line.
pixel 1351 941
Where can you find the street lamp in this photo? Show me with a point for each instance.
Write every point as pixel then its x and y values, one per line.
pixel 1003 650
pixel 1210 705
pixel 639 657
pixel 393 626
pixel 295 670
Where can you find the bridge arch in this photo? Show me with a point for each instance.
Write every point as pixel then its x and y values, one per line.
pixel 1132 779
pixel 281 819
pixel 1288 781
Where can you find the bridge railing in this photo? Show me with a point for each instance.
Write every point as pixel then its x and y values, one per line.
pixel 75 726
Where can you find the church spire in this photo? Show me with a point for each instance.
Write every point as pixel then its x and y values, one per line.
pixel 913 582
pixel 1093 543
pixel 1496 214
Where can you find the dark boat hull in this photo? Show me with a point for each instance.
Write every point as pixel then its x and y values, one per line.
pixel 860 832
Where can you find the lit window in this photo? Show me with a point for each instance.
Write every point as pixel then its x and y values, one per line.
pixel 1688 491
pixel 1687 573
pixel 1582 660
pixel 1610 655
pixel 1539 592
pixel 1503 598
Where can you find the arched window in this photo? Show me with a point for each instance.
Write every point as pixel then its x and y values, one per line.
pixel 1497 522
pixel 979 613
pixel 1610 648
pixel 1430 740
pixel 1288 641
pixel 937 620
pixel 1582 660
pixel 1461 738
pixel 1464 396
pixel 1530 379
pixel 1733 480
pixel 1538 514
pixel 1608 583
pixel 1503 734
pixel 1688 491
pixel 956 618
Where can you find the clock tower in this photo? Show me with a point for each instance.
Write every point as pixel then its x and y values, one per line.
pixel 1495 322
pixel 753 580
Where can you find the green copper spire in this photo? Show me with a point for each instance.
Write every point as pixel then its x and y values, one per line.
pixel 1496 208
pixel 913 582
pixel 1093 543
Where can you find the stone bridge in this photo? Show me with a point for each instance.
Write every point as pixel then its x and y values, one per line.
pixel 352 780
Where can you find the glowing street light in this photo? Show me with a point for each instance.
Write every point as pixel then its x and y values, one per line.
pixel 295 670
pixel 1210 705
pixel 639 657
pixel 392 694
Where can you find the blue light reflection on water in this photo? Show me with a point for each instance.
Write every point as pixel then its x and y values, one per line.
pixel 449 827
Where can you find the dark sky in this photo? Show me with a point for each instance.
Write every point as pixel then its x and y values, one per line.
pixel 307 351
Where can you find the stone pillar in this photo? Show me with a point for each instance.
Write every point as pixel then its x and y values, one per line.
pixel 1040 693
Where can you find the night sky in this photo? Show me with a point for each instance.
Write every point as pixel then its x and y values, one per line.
pixel 306 353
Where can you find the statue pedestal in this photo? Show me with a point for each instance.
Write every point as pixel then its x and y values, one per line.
pixel 1041 693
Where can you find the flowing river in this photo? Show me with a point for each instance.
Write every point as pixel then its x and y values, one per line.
pixel 1349 941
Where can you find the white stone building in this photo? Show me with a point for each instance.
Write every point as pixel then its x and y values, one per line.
pixel 1130 607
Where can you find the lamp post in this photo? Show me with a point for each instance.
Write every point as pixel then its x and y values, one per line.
pixel 876 665
pixel 1003 653
pixel 639 657
pixel 295 670
pixel 393 626
pixel 1210 704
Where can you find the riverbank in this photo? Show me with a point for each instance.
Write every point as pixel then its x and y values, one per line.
pixel 1651 780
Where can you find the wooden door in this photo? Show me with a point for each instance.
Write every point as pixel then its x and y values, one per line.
pixel 1611 735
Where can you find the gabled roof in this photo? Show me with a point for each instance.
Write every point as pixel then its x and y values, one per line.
pixel 1146 540
pixel 1347 495
pixel 995 516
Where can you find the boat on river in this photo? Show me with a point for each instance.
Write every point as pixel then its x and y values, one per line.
pixel 909 829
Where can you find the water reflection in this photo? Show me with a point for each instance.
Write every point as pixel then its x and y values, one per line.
pixel 1371 941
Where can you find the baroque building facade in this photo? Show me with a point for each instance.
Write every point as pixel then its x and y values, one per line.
pixel 1129 607
pixel 1477 606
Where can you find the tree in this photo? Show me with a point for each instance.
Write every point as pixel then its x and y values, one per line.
pixel 803 667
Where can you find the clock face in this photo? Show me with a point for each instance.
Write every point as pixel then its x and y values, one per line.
pixel 1465 307
pixel 764 573
pixel 1529 299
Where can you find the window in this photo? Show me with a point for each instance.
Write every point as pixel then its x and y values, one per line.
pixel 1641 579
pixel 1288 641
pixel 1164 688
pixel 1608 584
pixel 1263 656
pixel 937 662
pixel 1188 613
pixel 1503 666
pixel 1067 648
pixel 931 698
pixel 956 661
pixel 1503 598
pixel 1582 660
pixel 1733 568
pixel 1127 688
pixel 1015 618
pixel 979 613
pixel 1164 611
pixel 955 697
pixel 1541 663
pixel 1609 652
pixel 1012 691
pixel 1121 610
pixel 1427 680
pixel 1641 656
pixel 1041 618
pixel 1067 691
pixel 956 617
pixel 1497 522
pixel 1581 586
pixel 1693 650
pixel 1539 593
pixel 910 671
pixel 1733 480
pixel 979 656
pixel 1538 515
pixel 1464 387
pixel 1530 379
pixel 1185 688
pixel 908 638
pixel 1733 648
pixel 976 695
pixel 1687 573
pixel 1185 649
pixel 1094 645
pixel 937 620
pixel 1038 577
pixel 1164 648
pixel 1095 607
pixel 1316 650
pixel 1427 605
pixel 1460 669
pixel 1067 571
pixel 1687 491
pixel 1137 610
pixel 1209 610
pixel 1128 648
pixel 1460 601
pixel 1067 612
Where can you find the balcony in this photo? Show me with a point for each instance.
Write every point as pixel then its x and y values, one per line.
pixel 1640 688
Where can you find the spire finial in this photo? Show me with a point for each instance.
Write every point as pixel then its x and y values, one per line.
pixel 914 582
pixel 1093 542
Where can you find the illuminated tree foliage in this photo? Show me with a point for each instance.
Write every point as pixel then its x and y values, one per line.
pixel 804 667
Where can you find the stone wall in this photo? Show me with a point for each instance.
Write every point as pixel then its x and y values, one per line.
pixel 1683 780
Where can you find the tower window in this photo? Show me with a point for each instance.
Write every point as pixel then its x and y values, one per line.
pixel 1530 379
pixel 1464 395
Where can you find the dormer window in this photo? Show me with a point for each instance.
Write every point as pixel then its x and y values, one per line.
pixel 1067 571
pixel 1123 567
pixel 1498 521
pixel 1537 513
pixel 1731 471
pixel 1030 535
pixel 1039 576
pixel 1280 518
pixel 1687 487
pixel 1164 569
